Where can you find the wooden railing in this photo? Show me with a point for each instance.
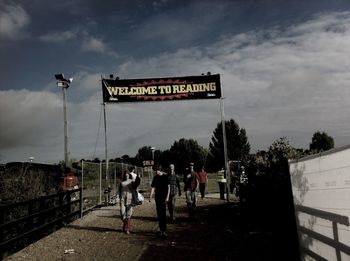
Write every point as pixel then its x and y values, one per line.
pixel 333 242
pixel 22 223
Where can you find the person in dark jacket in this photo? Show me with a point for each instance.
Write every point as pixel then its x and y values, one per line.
pixel 160 188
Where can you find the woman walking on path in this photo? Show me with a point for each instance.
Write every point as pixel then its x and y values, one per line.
pixel 160 189
pixel 126 204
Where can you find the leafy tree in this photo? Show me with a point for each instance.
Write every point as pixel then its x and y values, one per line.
pixel 257 163
pixel 145 153
pixel 185 151
pixel 321 141
pixel 166 159
pixel 275 159
pixel 269 193
pixel 126 158
pixel 238 146
pixel 278 154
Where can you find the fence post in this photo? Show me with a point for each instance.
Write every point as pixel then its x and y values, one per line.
pixel 2 221
pixel 69 200
pixel 81 191
pixel 42 218
pixel 115 182
pixel 30 211
pixel 81 202
pixel 336 239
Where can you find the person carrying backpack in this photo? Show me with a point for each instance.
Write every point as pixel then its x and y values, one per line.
pixel 136 180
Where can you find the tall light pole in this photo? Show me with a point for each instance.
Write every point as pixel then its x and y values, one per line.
pixel 153 149
pixel 64 83
pixel 225 146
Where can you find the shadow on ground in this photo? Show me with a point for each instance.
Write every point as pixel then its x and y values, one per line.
pixel 223 232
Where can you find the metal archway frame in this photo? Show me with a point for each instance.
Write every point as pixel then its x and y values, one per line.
pixel 116 90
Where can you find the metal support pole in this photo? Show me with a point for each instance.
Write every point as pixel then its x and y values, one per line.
pixel 152 149
pixel 106 155
pixel 100 183
pixel 66 160
pixel 64 83
pixel 225 145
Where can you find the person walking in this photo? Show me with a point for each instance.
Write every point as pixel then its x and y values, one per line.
pixel 160 188
pixel 191 184
pixel 135 184
pixel 222 183
pixel 203 179
pixel 126 204
pixel 174 189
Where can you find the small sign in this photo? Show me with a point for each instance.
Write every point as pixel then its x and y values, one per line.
pixel 148 163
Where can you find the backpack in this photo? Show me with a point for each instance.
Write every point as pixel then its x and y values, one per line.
pixel 136 183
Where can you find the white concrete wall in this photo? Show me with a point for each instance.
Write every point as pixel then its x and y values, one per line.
pixel 323 182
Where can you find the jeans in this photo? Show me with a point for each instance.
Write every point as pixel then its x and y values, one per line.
pixel 191 201
pixel 161 214
pixel 171 205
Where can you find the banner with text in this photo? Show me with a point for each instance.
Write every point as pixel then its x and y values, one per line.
pixel 161 89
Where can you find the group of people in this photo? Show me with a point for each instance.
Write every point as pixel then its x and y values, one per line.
pixel 164 187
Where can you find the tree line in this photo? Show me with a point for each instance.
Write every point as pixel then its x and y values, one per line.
pixel 184 151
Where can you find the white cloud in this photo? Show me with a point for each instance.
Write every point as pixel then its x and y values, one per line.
pixel 59 37
pixel 88 43
pixel 182 26
pixel 94 45
pixel 13 19
pixel 87 81
pixel 278 82
pixel 32 125
pixel 28 118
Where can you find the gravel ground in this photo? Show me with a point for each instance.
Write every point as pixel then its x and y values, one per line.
pixel 98 236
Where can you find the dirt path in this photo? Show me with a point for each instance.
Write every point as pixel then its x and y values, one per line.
pixel 98 236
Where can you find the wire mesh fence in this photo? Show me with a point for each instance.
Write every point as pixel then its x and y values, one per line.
pixel 100 182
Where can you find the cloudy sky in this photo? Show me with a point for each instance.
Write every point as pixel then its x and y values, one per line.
pixel 284 66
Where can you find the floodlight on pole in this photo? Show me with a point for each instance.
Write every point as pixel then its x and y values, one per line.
pixel 64 83
pixel 153 149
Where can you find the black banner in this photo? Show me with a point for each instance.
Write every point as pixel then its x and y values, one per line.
pixel 161 89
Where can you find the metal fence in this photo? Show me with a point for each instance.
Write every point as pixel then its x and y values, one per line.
pixel 22 223
pixel 100 185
